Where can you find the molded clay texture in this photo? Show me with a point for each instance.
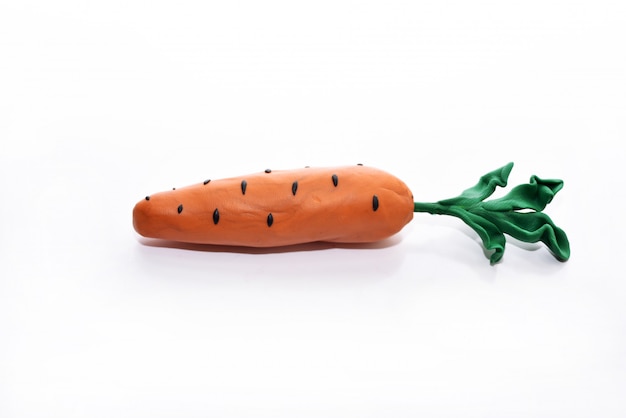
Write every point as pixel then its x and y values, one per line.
pixel 350 204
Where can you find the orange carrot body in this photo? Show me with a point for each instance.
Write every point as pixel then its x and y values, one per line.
pixel 275 208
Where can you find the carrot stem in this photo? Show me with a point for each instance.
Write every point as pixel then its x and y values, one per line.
pixel 518 214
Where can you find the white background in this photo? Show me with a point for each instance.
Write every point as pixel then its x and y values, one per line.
pixel 102 103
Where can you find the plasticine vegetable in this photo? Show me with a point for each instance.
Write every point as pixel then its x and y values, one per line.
pixel 351 204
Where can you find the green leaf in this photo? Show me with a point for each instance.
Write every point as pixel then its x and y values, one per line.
pixel 530 227
pixel 492 237
pixel 485 188
pixel 535 195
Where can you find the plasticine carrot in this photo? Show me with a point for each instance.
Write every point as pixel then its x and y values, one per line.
pixel 351 204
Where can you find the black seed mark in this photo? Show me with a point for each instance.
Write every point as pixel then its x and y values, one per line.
pixel 244 185
pixel 270 220
pixel 294 187
pixel 216 216
pixel 206 182
pixel 307 166
pixel 375 203
pixel 359 164
pixel 267 170
pixel 147 197
pixel 173 188
pixel 180 208
pixel 335 180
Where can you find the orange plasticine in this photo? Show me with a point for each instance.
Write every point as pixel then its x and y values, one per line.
pixel 348 204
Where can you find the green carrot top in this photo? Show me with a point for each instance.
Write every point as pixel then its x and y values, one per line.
pixel 518 214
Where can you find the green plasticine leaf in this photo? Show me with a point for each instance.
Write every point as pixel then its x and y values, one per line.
pixel 485 187
pixel 531 227
pixel 488 232
pixel 492 219
pixel 535 195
